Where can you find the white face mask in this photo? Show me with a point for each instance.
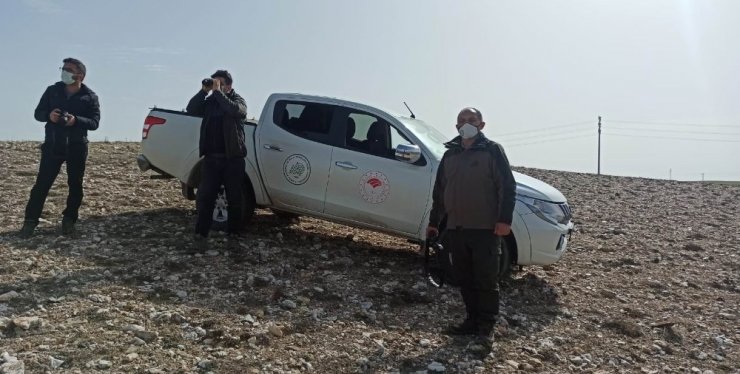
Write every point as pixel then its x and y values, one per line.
pixel 467 131
pixel 67 77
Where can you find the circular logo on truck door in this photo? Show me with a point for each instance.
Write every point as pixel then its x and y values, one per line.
pixel 296 169
pixel 374 187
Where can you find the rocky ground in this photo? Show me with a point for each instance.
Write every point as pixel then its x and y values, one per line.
pixel 650 284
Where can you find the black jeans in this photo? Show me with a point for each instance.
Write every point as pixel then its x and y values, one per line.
pixel 51 162
pixel 218 171
pixel 475 269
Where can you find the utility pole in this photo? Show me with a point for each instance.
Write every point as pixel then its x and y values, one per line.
pixel 598 170
pixel 670 174
pixel 702 177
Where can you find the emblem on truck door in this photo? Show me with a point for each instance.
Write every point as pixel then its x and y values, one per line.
pixel 296 169
pixel 374 187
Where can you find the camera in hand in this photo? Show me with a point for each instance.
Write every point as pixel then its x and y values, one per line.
pixel 64 117
pixel 208 82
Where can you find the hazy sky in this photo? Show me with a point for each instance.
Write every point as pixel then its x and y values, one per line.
pixel 540 71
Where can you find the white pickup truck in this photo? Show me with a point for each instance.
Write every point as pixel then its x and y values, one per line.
pixel 352 164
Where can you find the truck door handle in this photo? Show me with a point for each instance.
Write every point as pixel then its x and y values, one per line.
pixel 273 147
pixel 345 165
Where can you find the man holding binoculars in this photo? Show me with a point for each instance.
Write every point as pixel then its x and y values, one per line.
pixel 222 148
pixel 70 109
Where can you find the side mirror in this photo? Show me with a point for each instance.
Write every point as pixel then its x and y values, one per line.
pixel 408 153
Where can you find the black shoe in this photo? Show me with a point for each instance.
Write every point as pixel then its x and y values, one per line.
pixel 485 329
pixel 468 327
pixel 68 226
pixel 27 230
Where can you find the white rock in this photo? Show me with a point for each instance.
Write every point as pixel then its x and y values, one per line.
pixel 275 330
pixel 13 367
pixel 4 323
pixel 28 323
pixel 55 362
pixel 133 328
pixel 9 296
pixel 425 342
pixel 205 364
pixel 212 253
pixel 182 294
pixel 288 304
pixel 99 298
pixel 513 364
pixel 436 367
pixel 104 364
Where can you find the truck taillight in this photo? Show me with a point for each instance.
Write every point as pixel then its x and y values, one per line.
pixel 149 122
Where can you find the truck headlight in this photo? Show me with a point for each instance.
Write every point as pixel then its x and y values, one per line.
pixel 548 211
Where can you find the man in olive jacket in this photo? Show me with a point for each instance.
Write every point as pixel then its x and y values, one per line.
pixel 475 192
pixel 223 149
pixel 70 109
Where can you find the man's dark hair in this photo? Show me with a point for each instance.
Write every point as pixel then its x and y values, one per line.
pixel 223 74
pixel 77 63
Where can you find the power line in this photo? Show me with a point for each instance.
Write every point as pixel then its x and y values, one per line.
pixel 547 140
pixel 674 131
pixel 668 124
pixel 546 128
pixel 673 138
pixel 572 132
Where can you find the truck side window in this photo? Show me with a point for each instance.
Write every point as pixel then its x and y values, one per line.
pixel 370 134
pixel 304 119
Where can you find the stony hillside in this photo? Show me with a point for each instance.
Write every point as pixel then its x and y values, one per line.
pixel 651 283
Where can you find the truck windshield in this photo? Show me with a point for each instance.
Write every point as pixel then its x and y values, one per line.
pixel 432 139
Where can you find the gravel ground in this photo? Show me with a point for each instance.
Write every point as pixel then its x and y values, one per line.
pixel 650 284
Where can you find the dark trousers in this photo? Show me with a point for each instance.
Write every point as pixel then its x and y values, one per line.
pixel 475 269
pixel 51 162
pixel 218 171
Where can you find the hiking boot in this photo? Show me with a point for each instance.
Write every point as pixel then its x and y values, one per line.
pixel 68 226
pixel 468 327
pixel 27 229
pixel 485 329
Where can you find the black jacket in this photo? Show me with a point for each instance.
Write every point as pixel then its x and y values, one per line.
pixel 475 187
pixel 234 111
pixel 84 105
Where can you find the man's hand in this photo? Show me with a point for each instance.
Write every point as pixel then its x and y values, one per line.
pixel 432 232
pixel 216 85
pixel 71 119
pixel 54 115
pixel 502 229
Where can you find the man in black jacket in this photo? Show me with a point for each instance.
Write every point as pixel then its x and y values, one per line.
pixel 70 109
pixel 222 145
pixel 475 192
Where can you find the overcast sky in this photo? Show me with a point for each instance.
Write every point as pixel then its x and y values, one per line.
pixel 664 75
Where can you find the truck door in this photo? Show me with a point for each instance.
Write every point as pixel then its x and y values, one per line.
pixel 368 185
pixel 294 148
